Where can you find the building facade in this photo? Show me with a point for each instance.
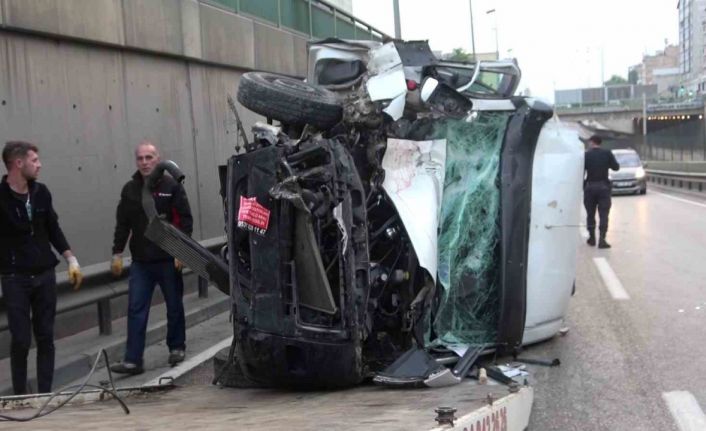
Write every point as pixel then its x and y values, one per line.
pixel 661 69
pixel 692 35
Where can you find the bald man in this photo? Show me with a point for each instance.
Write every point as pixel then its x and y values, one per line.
pixel 151 265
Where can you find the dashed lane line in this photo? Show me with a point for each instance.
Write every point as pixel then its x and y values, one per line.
pixel 686 410
pixel 610 279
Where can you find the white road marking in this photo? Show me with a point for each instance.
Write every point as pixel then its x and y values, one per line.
pixel 681 200
pixel 686 410
pixel 611 281
pixel 191 363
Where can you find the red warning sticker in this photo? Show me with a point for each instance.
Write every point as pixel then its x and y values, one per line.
pixel 252 216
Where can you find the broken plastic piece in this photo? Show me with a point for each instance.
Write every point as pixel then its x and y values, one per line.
pixel 482 376
pixel 409 370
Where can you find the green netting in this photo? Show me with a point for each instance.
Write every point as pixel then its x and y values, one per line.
pixel 323 25
pixel 266 9
pixel 469 231
pixel 295 15
pixel 345 29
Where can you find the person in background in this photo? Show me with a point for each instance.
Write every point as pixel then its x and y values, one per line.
pixel 150 264
pixel 597 189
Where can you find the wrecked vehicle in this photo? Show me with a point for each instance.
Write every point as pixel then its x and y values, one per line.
pixel 405 215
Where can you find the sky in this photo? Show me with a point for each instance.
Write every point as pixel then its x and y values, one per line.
pixel 559 44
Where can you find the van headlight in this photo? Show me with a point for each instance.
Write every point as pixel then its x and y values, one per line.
pixel 640 173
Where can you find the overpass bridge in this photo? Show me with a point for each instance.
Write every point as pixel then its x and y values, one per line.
pixel 627 118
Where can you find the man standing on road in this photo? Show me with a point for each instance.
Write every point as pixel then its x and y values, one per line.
pixel 150 264
pixel 597 189
pixel 28 228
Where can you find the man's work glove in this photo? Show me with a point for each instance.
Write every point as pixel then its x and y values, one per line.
pixel 179 265
pixel 75 275
pixel 116 265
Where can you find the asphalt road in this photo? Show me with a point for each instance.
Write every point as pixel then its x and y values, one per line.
pixel 622 356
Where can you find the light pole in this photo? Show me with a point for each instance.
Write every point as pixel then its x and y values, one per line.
pixel 398 26
pixel 473 37
pixel 497 45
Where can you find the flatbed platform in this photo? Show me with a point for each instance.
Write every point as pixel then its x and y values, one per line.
pixel 365 407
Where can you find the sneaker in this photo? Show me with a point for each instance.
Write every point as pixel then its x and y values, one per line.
pixel 603 244
pixel 591 241
pixel 176 356
pixel 127 368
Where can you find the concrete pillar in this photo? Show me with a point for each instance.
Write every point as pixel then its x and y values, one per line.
pixel 191 28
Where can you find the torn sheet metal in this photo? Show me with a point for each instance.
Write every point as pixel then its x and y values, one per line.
pixel 396 107
pixel 384 59
pixel 414 180
pixel 387 85
pixel 387 79
pixel 338 215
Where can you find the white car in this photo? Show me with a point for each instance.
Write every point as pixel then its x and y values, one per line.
pixel 631 178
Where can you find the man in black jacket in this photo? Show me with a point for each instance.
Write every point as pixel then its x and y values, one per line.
pixel 150 264
pixel 28 228
pixel 597 189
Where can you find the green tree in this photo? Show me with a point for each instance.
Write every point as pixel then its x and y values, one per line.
pixel 633 77
pixel 458 54
pixel 616 80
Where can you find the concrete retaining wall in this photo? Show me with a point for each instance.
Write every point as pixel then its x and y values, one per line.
pixel 88 79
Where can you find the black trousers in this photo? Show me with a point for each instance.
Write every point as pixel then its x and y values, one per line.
pixel 596 195
pixel 31 306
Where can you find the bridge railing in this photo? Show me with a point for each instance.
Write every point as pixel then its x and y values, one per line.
pixel 100 287
pixel 695 181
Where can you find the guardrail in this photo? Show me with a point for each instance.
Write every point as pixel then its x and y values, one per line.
pixel 687 180
pixel 315 18
pixel 99 287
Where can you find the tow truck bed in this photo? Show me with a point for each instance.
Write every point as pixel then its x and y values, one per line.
pixel 202 407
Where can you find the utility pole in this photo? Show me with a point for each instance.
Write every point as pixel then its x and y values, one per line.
pixel 473 36
pixel 398 25
pixel 497 44
pixel 603 65
pixel 644 123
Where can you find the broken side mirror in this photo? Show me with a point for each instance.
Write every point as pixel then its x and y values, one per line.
pixel 442 98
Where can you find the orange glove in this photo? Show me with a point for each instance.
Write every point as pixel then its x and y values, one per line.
pixel 75 275
pixel 116 265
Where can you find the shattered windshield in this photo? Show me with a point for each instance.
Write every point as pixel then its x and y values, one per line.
pixel 469 231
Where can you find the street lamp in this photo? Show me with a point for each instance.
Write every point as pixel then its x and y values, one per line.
pixel 398 27
pixel 497 45
pixel 473 37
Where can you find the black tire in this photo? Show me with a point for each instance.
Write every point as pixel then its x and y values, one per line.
pixel 289 100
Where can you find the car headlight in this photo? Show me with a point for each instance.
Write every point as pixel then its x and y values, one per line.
pixel 640 173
